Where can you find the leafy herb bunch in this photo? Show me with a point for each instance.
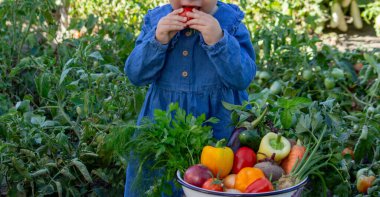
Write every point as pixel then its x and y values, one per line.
pixel 172 141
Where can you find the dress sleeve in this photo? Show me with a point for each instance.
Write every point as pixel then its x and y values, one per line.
pixel 147 59
pixel 234 58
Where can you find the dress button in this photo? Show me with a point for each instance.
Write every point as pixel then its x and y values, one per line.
pixel 185 74
pixel 188 33
pixel 185 53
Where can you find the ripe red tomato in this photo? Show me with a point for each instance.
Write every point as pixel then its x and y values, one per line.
pixel 348 151
pixel 244 157
pixel 260 185
pixel 364 182
pixel 213 184
pixel 185 11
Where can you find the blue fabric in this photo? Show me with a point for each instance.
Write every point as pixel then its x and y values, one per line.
pixel 216 73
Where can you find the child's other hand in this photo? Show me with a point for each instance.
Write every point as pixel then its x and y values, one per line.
pixel 207 25
pixel 169 25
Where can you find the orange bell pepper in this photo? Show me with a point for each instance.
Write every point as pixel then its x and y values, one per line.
pixel 246 176
pixel 218 159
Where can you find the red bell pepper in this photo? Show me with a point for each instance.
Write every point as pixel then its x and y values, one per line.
pixel 260 185
pixel 244 157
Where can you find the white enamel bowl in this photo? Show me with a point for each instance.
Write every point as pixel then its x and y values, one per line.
pixel 193 191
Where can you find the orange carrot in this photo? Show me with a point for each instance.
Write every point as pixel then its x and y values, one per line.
pixel 294 157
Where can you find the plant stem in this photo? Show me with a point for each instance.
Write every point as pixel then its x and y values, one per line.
pixel 258 120
pixel 314 151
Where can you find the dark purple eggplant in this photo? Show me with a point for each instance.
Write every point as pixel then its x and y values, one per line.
pixel 234 142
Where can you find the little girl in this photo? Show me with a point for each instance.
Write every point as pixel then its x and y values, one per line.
pixel 197 60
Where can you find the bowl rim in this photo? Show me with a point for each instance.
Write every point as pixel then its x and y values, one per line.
pixel 282 191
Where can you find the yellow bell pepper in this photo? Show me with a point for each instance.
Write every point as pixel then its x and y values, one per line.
pixel 246 176
pixel 218 159
pixel 273 143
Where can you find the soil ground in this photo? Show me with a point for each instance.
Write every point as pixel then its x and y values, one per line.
pixel 354 39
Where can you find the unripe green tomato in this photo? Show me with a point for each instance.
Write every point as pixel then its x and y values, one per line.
pixel 329 83
pixel 337 73
pixel 318 68
pixel 96 63
pixel 257 74
pixel 365 172
pixel 370 110
pixel 260 81
pixel 264 75
pixel 356 127
pixel 276 87
pixel 79 110
pixel 307 74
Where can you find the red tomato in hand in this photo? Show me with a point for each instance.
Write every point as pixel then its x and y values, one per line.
pixel 185 11
pixel 213 184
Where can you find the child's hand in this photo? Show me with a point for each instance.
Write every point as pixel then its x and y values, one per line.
pixel 169 25
pixel 207 25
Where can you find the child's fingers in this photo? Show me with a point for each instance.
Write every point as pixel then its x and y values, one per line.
pixel 173 22
pixel 200 22
pixel 176 12
pixel 196 14
pixel 176 18
pixel 196 22
pixel 197 27
pixel 169 28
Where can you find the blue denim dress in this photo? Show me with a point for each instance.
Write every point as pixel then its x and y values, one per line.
pixel 188 71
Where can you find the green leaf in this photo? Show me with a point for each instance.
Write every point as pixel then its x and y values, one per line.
pixel 83 169
pixel 371 60
pixel 40 172
pixel 112 68
pixel 47 189
pixel 99 173
pixel 352 118
pixel 28 153
pixel 43 84
pixel 363 145
pixel 59 188
pixel 23 106
pixel 96 55
pixel 295 103
pixel 38 120
pixel 286 118
pixel 49 123
pixel 91 21
pixel 303 124
pixel 70 61
pixel 19 165
pixel 316 121
pixel 230 106
pixel 63 75
pixel 349 67
pixel 66 172
pixel 329 103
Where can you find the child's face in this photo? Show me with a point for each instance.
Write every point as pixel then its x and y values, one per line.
pixel 203 5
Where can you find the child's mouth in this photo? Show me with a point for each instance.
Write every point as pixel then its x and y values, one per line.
pixel 190 7
pixel 187 9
